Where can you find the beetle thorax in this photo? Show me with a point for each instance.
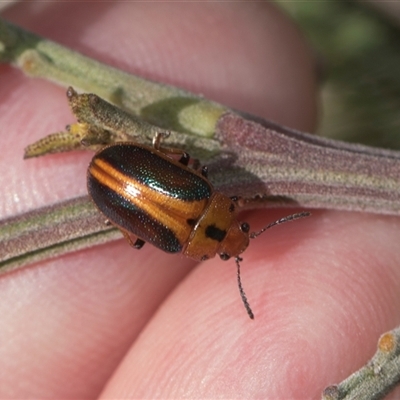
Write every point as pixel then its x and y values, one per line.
pixel 217 231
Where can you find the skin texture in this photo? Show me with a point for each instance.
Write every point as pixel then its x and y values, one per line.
pixel 115 323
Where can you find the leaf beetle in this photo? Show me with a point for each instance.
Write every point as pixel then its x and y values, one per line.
pixel 145 192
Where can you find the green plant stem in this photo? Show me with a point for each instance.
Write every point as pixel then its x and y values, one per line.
pixel 376 378
pixel 51 231
pixel 161 105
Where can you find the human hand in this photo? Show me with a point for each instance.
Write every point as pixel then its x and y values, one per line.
pixel 316 286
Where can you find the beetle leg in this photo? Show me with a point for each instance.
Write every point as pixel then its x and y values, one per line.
pixel 168 150
pixel 157 139
pixel 239 201
pixel 137 244
pixel 185 158
pixel 204 171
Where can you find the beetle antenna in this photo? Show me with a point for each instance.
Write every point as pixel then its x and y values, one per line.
pixel 242 294
pixel 280 221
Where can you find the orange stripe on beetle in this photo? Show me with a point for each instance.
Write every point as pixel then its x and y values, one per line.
pixel 171 212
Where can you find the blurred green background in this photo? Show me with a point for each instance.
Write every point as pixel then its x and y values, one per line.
pixel 358 45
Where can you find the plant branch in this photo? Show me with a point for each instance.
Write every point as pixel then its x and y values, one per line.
pixel 161 105
pixel 375 380
pixel 51 231
pixel 264 163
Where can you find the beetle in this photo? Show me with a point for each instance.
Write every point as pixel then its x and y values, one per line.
pixel 147 192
